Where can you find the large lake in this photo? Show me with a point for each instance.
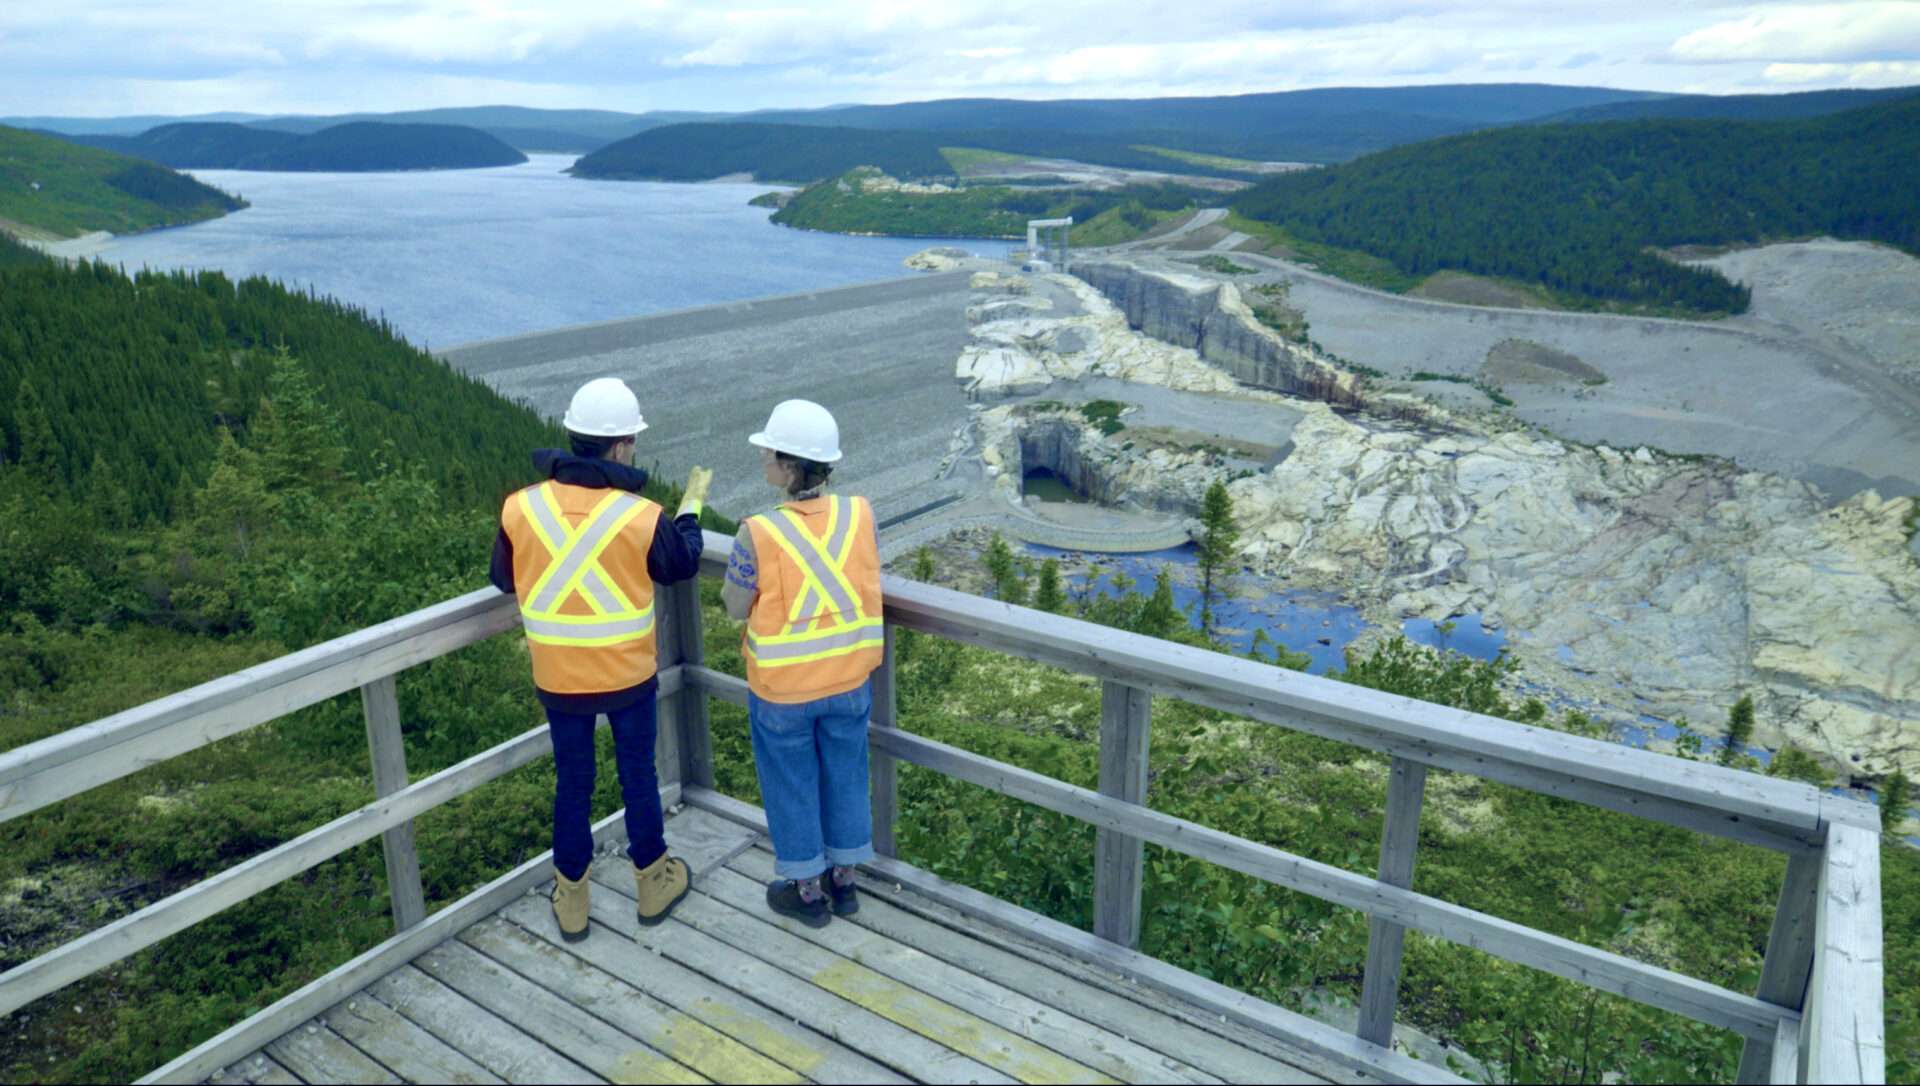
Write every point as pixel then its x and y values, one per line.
pixel 460 255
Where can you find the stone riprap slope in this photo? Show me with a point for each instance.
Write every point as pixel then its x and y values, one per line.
pixel 877 355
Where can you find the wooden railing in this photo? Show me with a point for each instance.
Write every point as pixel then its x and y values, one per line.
pixel 1817 1015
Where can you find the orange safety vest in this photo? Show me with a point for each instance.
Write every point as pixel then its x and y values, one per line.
pixel 580 571
pixel 815 629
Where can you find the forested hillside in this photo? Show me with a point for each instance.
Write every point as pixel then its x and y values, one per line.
pixel 1732 107
pixel 50 184
pixel 1576 207
pixel 770 152
pixel 359 145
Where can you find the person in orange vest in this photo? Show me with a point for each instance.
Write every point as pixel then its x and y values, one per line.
pixel 806 578
pixel 582 552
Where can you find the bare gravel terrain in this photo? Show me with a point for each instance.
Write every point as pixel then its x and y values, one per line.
pixel 1811 384
pixel 879 355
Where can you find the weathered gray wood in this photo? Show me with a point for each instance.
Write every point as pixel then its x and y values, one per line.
pixel 258 1069
pixel 1318 1038
pixel 1216 1034
pixel 1125 714
pixel 718 684
pixel 380 703
pixel 705 840
pixel 1789 961
pixel 488 1039
pixel 882 773
pixel 682 642
pixel 103 946
pixel 110 748
pixel 401 1046
pixel 1370 718
pixel 318 1055
pixel 1845 1014
pixel 1596 968
pixel 1380 989
pixel 581 1037
pixel 678 1036
pixel 249 1035
pixel 773 1035
pixel 1057 1027
pixel 1784 1058
pixel 787 993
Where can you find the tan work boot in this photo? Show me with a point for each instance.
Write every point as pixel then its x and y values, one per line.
pixel 570 905
pixel 659 887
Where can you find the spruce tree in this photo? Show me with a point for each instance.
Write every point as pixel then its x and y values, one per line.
pixel 1048 596
pixel 999 562
pixel 1218 535
pixel 39 449
pixel 1161 616
pixel 923 566
pixel 1895 795
pixel 1739 729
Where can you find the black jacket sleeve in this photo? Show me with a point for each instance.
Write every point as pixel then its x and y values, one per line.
pixel 501 570
pixel 675 555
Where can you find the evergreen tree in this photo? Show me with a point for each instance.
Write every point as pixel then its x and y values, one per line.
pixel 107 495
pixel 999 562
pixel 1797 765
pixel 1739 729
pixel 923 566
pixel 1895 795
pixel 39 451
pixel 1048 596
pixel 1261 646
pixel 1216 547
pixel 1161 616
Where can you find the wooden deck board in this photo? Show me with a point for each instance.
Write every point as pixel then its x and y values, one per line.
pixel 902 1004
pixel 401 1046
pixel 317 1054
pixel 258 1068
pixel 1054 1025
pixel 580 1037
pixel 793 997
pixel 1114 1010
pixel 485 1037
pixel 682 1038
pixel 731 1012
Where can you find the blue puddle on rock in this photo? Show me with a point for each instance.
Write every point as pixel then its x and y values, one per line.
pixel 1465 634
pixel 1315 623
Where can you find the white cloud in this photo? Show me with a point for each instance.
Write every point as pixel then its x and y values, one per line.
pixel 1869 73
pixel 1877 30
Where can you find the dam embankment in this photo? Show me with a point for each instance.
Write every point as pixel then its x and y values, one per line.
pixel 879 355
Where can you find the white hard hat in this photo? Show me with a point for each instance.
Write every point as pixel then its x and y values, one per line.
pixel 801 428
pixel 604 407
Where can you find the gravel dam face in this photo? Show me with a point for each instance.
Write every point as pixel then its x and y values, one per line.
pixel 879 356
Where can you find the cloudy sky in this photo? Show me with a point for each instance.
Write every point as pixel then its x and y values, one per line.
pixel 106 57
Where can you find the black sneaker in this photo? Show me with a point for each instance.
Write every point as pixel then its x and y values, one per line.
pixel 846 899
pixel 783 897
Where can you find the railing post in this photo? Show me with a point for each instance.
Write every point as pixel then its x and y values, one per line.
pixel 1789 961
pixel 684 642
pixel 1125 720
pixel 883 770
pixel 1843 1025
pixel 1380 988
pixel 380 701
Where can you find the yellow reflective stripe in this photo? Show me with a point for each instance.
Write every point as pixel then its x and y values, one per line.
pixel 558 555
pixel 806 572
pixel 535 522
pixel 592 559
pixel 590 642
pixel 835 567
pixel 813 635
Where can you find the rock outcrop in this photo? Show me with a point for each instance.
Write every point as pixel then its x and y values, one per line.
pixel 1213 320
pixel 1116 470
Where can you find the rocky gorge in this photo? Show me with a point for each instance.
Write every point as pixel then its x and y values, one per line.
pixel 1632 584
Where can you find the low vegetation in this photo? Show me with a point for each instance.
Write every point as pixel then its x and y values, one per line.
pixel 864 202
pixel 64 189
pixel 1214 262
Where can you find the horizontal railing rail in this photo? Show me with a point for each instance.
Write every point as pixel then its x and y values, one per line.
pixel 1817 1015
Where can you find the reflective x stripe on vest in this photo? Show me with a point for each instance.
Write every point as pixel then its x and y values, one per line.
pixel 575 568
pixel 827 595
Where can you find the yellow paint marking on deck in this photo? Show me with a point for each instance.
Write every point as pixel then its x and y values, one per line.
pixel 948 1025
pixel 756 1034
pixel 718 1056
pixel 641 1066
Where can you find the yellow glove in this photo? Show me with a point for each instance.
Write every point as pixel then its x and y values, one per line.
pixel 694 498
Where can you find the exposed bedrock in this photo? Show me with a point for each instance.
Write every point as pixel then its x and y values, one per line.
pixel 1213 320
pixel 1114 470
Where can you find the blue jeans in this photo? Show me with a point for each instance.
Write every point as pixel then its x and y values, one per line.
pixel 812 762
pixel 573 760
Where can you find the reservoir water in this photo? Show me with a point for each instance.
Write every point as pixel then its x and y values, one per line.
pixel 453 256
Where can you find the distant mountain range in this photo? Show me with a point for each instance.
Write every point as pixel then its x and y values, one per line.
pixel 355 146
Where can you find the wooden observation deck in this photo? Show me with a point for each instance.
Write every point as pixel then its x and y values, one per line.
pixel 932 981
